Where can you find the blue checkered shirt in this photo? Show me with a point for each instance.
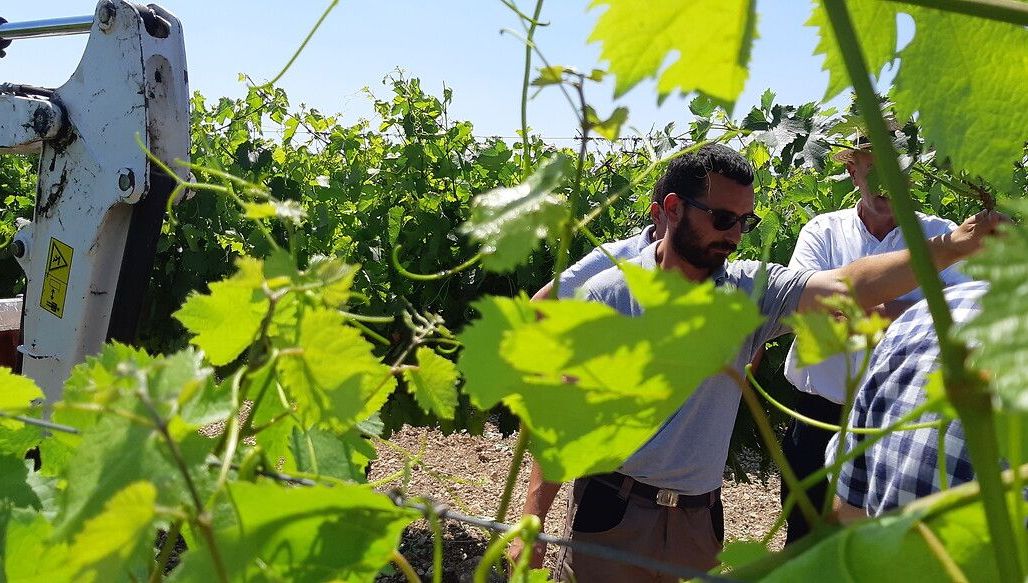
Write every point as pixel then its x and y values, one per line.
pixel 903 466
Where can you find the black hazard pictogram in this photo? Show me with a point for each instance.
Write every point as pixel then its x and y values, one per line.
pixel 57 259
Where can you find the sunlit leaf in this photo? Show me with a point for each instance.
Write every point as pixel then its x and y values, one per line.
pixel 30 553
pixel 334 378
pixel 1000 332
pixel 225 321
pixel 344 533
pixel 259 210
pixel 875 24
pixel 609 128
pixel 509 222
pixel 552 75
pixel 710 38
pixel 969 103
pixel 433 383
pixel 114 536
pixel 584 356
pixel 818 336
pixel 17 392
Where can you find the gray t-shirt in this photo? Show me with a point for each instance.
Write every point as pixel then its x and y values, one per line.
pixel 688 453
pixel 596 261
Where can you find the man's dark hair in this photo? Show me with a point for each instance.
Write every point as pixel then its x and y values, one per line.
pixel 686 175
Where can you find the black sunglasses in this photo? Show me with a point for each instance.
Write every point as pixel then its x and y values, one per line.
pixel 724 220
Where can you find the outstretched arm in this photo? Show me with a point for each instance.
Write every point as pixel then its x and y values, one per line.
pixel 877 279
pixel 538 501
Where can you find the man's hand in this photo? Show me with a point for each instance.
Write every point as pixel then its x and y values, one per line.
pixel 518 546
pixel 968 237
pixel 538 500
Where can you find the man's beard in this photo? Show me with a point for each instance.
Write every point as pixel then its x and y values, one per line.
pixel 687 246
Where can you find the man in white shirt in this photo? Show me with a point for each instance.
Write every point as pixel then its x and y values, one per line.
pixel 830 241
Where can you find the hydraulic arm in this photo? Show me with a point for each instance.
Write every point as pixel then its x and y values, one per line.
pixel 88 252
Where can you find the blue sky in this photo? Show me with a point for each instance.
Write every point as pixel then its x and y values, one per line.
pixel 456 42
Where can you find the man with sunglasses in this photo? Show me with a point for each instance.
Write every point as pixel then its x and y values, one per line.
pixel 664 502
pixel 829 241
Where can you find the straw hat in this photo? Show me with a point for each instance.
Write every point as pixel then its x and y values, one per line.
pixel 862 143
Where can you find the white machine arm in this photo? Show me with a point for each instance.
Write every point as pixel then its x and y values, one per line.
pixel 89 249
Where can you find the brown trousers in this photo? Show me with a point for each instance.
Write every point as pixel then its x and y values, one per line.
pixel 691 537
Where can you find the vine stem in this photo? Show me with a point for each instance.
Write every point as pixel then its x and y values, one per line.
pixel 828 426
pixel 520 446
pixel 806 506
pixel 1016 458
pixel 939 550
pixel 405 567
pixel 437 544
pixel 529 525
pixel 858 449
pixel 840 444
pixel 306 40
pixel 533 24
pixel 202 518
pixel 965 390
pixel 568 229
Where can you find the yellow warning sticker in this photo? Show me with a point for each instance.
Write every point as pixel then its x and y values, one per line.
pixel 55 281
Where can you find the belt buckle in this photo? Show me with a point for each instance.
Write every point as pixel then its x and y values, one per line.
pixel 667 498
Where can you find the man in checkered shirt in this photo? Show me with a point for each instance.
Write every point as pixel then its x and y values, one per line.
pixel 903 466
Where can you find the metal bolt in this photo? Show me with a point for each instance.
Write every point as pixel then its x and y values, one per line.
pixel 105 14
pixel 18 249
pixel 126 179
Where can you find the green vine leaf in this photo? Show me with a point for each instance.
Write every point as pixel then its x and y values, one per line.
pixel 14 486
pixel 509 222
pixel 741 552
pixel 875 23
pixel 712 40
pixel 17 392
pixel 609 128
pixel 891 547
pixel 30 553
pixel 334 378
pixel 115 536
pixel 345 533
pixel 818 336
pixel 433 383
pixel 17 437
pixel 17 395
pixel 584 356
pixel 323 453
pixel 1000 331
pixel 113 454
pixel 969 102
pixel 225 321
pixel 965 78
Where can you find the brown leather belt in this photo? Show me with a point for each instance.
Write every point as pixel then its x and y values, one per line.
pixel 662 497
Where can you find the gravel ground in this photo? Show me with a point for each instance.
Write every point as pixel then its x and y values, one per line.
pixel 467 472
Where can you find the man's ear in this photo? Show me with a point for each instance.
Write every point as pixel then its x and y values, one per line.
pixel 656 213
pixel 672 207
